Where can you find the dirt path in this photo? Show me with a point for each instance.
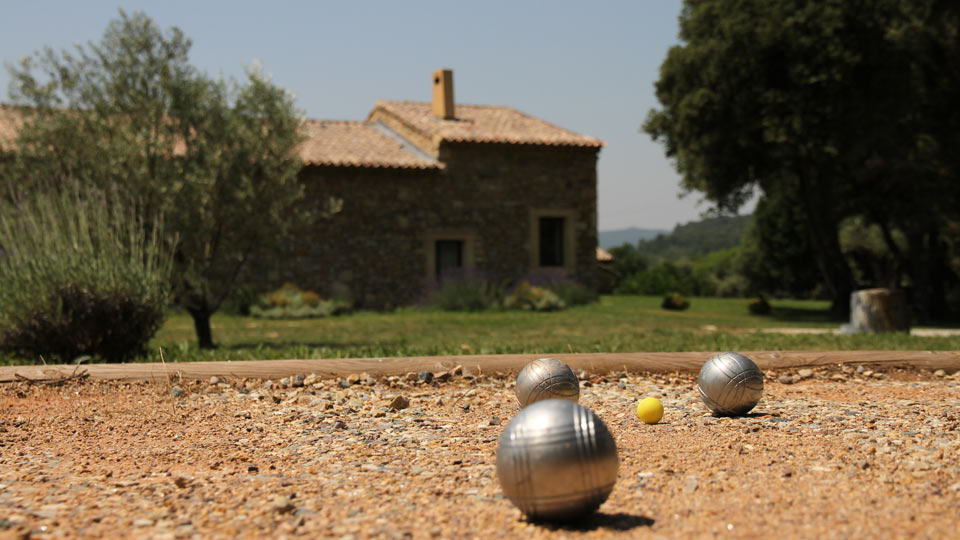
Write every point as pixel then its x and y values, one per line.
pixel 837 454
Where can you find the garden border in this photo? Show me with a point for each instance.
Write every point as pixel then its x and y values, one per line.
pixel 592 362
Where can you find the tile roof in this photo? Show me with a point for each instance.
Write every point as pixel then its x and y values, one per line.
pixel 359 144
pixel 372 144
pixel 484 123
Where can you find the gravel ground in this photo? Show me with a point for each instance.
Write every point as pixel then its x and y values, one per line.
pixel 835 452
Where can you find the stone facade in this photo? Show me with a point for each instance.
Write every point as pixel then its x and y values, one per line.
pixel 381 245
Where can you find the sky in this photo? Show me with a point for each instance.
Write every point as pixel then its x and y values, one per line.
pixel 589 67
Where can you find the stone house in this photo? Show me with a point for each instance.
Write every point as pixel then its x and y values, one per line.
pixel 432 188
pixel 428 188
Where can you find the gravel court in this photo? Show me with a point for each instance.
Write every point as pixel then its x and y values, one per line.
pixel 830 452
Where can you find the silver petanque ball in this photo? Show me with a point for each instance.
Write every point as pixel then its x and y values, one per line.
pixel 730 384
pixel 546 378
pixel 556 460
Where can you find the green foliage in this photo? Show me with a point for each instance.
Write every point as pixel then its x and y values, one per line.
pixel 533 298
pixel 627 261
pixel 776 255
pixel 572 293
pixel 697 238
pixel 465 292
pixel 217 158
pixel 81 274
pixel 292 302
pixel 675 301
pixel 663 278
pixel 759 306
pixel 833 102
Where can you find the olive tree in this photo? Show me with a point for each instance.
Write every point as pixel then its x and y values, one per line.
pixel 218 159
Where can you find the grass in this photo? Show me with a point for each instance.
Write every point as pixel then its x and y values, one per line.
pixel 614 324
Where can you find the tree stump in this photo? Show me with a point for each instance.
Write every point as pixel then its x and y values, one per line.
pixel 879 310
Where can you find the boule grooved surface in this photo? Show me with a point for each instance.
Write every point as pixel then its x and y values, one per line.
pixel 730 384
pixel 546 378
pixel 556 460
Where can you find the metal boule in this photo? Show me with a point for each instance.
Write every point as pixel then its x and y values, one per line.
pixel 546 378
pixel 556 460
pixel 730 384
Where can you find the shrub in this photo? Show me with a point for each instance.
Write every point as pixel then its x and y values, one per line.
pixel 569 290
pixel 759 306
pixel 572 293
pixel 464 291
pixel 532 298
pixel 81 274
pixel 663 278
pixel 675 301
pixel 292 302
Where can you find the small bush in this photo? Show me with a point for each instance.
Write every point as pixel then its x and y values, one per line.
pixel 292 302
pixel 675 301
pixel 464 291
pixel 759 306
pixel 573 293
pixel 529 297
pixel 81 274
pixel 569 290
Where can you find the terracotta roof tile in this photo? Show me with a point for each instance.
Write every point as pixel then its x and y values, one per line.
pixel 484 123
pixel 370 144
pixel 359 144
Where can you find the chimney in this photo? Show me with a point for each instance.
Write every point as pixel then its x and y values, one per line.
pixel 443 94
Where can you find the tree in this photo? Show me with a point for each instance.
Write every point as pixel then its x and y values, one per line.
pixel 776 252
pixel 797 97
pixel 218 160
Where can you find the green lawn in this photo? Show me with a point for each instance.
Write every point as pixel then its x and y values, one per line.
pixel 615 324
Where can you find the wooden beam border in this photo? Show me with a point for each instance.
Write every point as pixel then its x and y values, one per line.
pixel 488 364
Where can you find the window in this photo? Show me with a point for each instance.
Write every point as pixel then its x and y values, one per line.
pixel 448 256
pixel 447 250
pixel 551 241
pixel 553 245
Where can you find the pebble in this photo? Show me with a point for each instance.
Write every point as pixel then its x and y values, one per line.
pixel 283 505
pixel 805 373
pixel 690 484
pixel 399 403
pixel 786 379
pixel 176 391
pixel 213 381
pixel 425 376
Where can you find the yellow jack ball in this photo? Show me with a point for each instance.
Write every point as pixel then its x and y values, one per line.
pixel 650 410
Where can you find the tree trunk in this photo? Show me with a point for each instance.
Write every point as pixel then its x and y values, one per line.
pixel 201 323
pixel 927 274
pixel 825 239
pixel 879 310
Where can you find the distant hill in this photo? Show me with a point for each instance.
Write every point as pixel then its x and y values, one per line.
pixel 697 238
pixel 609 239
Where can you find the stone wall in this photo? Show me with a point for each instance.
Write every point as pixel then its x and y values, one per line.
pixel 377 246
